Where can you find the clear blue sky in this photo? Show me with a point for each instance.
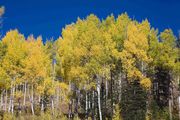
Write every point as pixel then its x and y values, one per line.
pixel 48 17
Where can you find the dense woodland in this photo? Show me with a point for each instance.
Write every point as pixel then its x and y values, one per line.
pixel 110 69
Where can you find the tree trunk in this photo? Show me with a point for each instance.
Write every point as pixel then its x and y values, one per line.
pixel 170 104
pixel 99 97
pixel 86 105
pixel 42 104
pixel 179 106
pixel 70 110
pixel 5 106
pixel 112 99
pixel 32 101
pixel 12 107
pixel 57 98
pixel 76 101
pixel 93 106
pixel 1 106
pixel 89 100
pixel 142 67
pixel 10 100
pixel 106 96
pixel 170 109
pixel 24 101
pixel 19 105
pixel 52 105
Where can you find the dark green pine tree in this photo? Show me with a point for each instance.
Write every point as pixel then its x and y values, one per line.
pixel 133 105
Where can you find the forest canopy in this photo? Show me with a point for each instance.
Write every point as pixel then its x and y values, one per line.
pixel 115 68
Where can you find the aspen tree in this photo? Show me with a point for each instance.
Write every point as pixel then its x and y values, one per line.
pixel 12 62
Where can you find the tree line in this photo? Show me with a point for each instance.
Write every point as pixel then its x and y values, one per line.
pixel 115 68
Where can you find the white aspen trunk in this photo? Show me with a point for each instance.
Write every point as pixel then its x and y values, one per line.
pixel 52 97
pixel 10 100
pixel 69 113
pixel 19 99
pixel 5 106
pixel 179 106
pixel 142 67
pixel 89 101
pixel 25 88
pixel 12 107
pixel 106 94
pixel 52 105
pixel 28 92
pixel 1 106
pixel 170 105
pixel 57 98
pixel 170 109
pixel 99 97
pixel 42 106
pixel 70 108
pixel 93 106
pixel 32 101
pixel 86 103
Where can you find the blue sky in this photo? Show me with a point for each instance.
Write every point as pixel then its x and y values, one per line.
pixel 48 17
